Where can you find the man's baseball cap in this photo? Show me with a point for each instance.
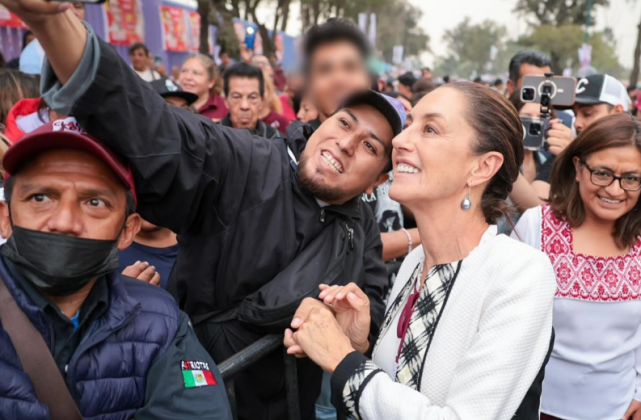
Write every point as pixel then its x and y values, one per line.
pixel 169 88
pixel 65 134
pixel 392 109
pixel 601 89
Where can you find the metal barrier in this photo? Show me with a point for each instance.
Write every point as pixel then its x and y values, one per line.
pixel 253 353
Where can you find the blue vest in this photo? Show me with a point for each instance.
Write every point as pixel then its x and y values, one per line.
pixel 107 374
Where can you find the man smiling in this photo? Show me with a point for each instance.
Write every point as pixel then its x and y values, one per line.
pixel 248 219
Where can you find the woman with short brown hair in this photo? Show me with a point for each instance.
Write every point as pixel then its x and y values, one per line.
pixel 590 231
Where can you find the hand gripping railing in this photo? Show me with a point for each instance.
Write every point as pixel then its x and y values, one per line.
pixel 253 353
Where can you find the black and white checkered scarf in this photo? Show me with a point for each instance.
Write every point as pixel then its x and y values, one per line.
pixel 425 317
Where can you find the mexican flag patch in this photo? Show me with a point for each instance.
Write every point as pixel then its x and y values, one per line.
pixel 196 374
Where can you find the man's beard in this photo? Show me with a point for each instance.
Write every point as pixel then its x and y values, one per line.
pixel 320 192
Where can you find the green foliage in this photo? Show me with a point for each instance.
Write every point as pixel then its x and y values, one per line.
pixel 563 42
pixel 471 44
pixel 557 12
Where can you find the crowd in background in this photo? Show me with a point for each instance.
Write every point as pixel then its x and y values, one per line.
pixel 560 327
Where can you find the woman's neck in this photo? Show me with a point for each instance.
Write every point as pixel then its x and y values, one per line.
pixel 596 237
pixel 202 100
pixel 447 235
pixel 160 238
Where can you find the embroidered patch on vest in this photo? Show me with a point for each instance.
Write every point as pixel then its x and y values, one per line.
pixel 196 374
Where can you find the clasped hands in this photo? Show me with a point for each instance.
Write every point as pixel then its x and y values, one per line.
pixel 331 327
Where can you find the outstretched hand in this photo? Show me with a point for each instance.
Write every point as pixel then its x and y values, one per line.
pixel 319 336
pixel 351 308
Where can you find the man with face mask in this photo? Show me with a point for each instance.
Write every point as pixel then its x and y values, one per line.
pixel 250 213
pixel 119 344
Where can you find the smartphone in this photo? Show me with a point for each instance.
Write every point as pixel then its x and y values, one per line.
pixel 534 131
pixel 560 88
pixel 250 37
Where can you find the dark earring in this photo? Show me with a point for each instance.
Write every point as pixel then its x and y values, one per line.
pixel 466 204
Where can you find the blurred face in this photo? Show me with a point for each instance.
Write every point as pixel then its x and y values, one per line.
pixel 177 102
pixel 295 83
pixel 195 79
pixel 336 70
pixel 433 157
pixel 307 111
pixel 244 102
pixel 426 74
pixel 139 60
pixel 608 204
pixel 78 9
pixel 70 193
pixel 526 70
pixel 346 155
pixel 530 109
pixel 587 114
pixel 224 57
pixel 405 90
pixel 262 63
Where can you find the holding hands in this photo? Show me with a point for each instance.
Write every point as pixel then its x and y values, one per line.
pixel 328 330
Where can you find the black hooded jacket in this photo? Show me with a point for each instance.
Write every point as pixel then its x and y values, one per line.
pixel 239 211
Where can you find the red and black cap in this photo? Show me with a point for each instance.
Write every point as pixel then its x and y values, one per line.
pixel 65 134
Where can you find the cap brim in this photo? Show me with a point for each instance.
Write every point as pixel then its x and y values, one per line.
pixel 31 145
pixel 187 96
pixel 587 101
pixel 379 103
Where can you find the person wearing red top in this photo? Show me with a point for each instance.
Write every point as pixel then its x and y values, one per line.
pixel 198 76
pixel 277 121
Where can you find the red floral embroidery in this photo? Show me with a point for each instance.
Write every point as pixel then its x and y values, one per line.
pixel 586 277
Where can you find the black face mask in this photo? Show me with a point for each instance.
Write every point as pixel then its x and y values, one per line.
pixel 59 265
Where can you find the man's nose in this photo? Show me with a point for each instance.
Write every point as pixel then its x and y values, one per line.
pixel 65 219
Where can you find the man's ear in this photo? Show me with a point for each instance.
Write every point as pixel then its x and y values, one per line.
pixel 618 109
pixel 510 87
pixel 5 221
pixel 129 232
pixel 381 179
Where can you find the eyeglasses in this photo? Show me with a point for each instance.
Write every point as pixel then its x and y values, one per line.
pixel 605 178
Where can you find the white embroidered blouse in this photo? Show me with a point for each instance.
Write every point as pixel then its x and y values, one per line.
pixel 593 372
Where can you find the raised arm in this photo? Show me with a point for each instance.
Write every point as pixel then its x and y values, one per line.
pixel 184 165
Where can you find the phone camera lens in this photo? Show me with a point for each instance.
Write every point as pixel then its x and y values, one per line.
pixel 527 94
pixel 535 129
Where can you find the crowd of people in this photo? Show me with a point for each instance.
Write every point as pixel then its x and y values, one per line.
pixel 417 260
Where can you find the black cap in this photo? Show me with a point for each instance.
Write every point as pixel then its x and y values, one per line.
pixel 407 79
pixel 169 88
pixel 601 89
pixel 392 109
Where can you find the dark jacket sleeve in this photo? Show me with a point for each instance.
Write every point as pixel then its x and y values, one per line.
pixel 167 397
pixel 376 281
pixel 184 165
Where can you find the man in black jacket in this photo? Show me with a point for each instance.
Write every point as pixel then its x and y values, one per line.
pixel 243 207
pixel 245 99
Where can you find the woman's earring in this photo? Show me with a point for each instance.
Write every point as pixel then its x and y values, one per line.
pixel 466 204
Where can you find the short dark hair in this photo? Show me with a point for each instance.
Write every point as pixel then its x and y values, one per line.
pixel 532 57
pixel 138 46
pixel 332 31
pixel 617 130
pixel 426 69
pixel 497 82
pixel 244 70
pixel 11 181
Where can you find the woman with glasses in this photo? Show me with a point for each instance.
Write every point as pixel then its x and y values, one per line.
pixel 590 231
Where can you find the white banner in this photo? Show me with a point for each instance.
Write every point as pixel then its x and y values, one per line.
pixel 362 22
pixel 372 29
pixel 397 54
